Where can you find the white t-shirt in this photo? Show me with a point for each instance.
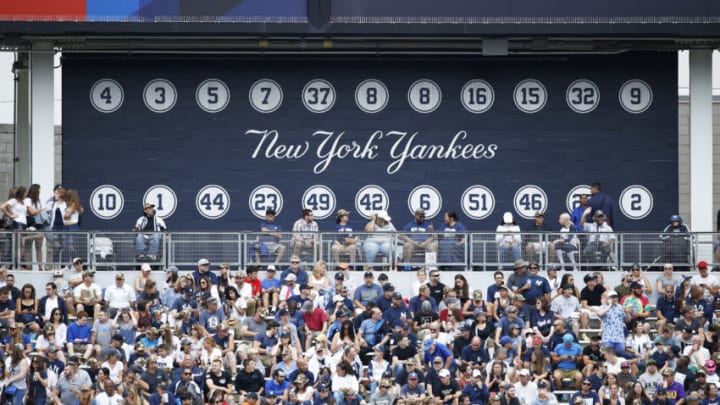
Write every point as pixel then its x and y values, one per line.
pixel 710 280
pixel 565 307
pixel 50 304
pixel 119 297
pixel 18 209
pixel 88 291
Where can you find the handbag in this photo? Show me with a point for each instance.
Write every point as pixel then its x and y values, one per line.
pixel 10 390
pixel 42 218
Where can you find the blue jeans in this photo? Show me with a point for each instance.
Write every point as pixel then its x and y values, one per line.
pixel 504 250
pixel 18 398
pixel 619 349
pixel 70 241
pixel 141 243
pixel 373 248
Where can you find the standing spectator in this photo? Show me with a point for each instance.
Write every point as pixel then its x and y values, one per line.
pixel 16 374
pixel 37 219
pixel 601 202
pixel 72 221
pixel 614 317
pixel 70 382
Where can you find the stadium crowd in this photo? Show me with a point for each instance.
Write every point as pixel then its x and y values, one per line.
pixel 301 335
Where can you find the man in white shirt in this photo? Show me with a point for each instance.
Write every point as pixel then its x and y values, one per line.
pixel 119 296
pixel 88 295
pixel 305 233
pixel 525 390
pixel 601 238
pixel 109 396
pixel 696 352
pixel 566 307
pixel 706 281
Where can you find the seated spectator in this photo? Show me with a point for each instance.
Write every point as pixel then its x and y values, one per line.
pixel 601 239
pixel 380 239
pixel 508 239
pixel 270 240
pixel 565 356
pixel 79 335
pixel 88 295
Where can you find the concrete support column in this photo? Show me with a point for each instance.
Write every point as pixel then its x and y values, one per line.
pixel 22 119
pixel 42 116
pixel 701 146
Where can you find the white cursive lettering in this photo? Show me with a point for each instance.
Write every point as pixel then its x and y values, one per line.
pixel 328 150
pixel 405 149
pixel 279 151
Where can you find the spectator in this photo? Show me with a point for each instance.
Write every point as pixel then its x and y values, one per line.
pixel 508 238
pixel 149 226
pixel 345 243
pixel 601 202
pixel 304 233
pixel 379 240
pixel 270 240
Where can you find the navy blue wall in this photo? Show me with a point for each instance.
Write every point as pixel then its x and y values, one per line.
pixel 187 148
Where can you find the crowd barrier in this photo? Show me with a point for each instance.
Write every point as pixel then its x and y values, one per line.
pixel 479 251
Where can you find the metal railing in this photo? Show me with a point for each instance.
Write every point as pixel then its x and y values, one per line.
pixel 453 251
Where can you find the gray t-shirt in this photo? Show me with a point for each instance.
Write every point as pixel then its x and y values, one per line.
pixel 63 385
pixel 377 399
pixel 252 326
pixel 103 331
pixel 650 382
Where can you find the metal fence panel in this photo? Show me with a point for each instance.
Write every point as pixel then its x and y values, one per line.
pixel 453 251
pixel 186 248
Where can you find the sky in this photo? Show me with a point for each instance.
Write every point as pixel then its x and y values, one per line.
pixel 7 92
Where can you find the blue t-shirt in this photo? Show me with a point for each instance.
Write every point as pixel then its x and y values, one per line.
pixel 211 321
pixel 366 294
pixel 417 232
pixel 590 398
pixel 302 277
pixel 343 231
pixel 266 341
pixel 9 304
pixel 562 350
pixel 440 350
pixel 275 390
pixel 267 284
pixel 271 227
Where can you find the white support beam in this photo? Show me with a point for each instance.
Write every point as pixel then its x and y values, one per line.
pixel 42 116
pixel 701 144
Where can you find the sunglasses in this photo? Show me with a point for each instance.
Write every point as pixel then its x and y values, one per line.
pixel 294 262
pixel 186 373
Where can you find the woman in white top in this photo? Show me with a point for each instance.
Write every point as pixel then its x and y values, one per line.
pixel 508 238
pixel 319 281
pixel 381 240
pixel 15 209
pixel 34 207
pixel 344 379
pixel 638 342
